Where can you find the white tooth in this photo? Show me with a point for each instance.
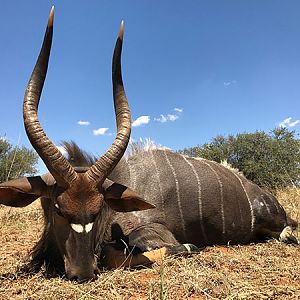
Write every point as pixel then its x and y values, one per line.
pixel 88 227
pixel 56 205
pixel 77 227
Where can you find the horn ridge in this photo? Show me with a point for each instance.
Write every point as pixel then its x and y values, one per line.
pixel 56 163
pixel 106 163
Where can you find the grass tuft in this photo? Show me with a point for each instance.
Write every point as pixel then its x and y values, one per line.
pixel 257 271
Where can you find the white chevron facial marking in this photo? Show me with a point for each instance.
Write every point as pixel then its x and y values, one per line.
pixel 88 227
pixel 82 228
pixel 77 227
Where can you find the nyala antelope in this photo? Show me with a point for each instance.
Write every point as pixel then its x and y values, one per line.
pixel 116 211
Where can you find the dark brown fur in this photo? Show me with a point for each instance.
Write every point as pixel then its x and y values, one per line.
pixel 151 229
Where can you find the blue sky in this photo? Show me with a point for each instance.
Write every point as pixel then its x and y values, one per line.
pixel 191 69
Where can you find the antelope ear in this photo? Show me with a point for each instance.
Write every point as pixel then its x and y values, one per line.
pixel 23 191
pixel 122 199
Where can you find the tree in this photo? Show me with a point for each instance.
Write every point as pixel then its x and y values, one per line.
pixel 16 161
pixel 270 160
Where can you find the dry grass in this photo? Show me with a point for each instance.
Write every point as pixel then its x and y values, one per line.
pixel 261 271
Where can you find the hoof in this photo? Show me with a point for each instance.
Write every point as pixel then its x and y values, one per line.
pixel 286 236
pixel 182 249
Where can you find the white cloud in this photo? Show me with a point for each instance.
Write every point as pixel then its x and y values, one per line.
pixel 292 124
pixel 228 83
pixel 288 122
pixel 161 119
pixel 142 120
pixel 62 150
pixel 100 131
pixel 83 123
pixel 168 117
pixel 179 110
pixel 172 118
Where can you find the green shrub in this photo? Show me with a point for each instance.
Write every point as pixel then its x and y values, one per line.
pixel 270 160
pixel 16 161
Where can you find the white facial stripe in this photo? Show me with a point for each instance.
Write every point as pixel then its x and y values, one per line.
pixel 82 228
pixel 77 227
pixel 88 227
pixel 56 205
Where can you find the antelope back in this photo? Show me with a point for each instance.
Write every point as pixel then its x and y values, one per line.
pixel 200 201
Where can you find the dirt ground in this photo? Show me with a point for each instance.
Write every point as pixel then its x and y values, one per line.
pixel 258 271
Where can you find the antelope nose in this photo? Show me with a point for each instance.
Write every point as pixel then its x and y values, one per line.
pixel 83 276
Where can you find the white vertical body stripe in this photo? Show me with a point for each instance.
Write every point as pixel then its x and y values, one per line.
pixel 158 181
pixel 266 205
pixel 250 205
pixel 222 197
pixel 177 193
pixel 232 171
pixel 274 202
pixel 199 196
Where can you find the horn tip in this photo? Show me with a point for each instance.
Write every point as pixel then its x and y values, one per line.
pixel 51 17
pixel 121 32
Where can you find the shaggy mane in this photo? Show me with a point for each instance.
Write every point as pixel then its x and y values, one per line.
pixel 227 165
pixel 76 156
pixel 143 145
